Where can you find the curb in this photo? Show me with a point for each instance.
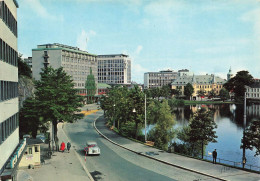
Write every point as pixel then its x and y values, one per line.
pixel 82 164
pixel 156 159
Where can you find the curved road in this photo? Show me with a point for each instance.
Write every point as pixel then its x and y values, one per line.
pixel 116 163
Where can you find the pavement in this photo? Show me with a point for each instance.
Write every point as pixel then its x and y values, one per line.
pixel 215 171
pixel 62 166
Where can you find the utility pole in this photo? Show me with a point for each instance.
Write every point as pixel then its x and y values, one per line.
pixel 244 126
pixel 145 136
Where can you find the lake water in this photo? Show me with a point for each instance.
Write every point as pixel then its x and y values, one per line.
pixel 229 119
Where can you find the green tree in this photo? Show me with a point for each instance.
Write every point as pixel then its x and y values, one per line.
pixel 237 84
pixel 155 92
pixel 252 137
pixel 212 93
pixel 177 92
pixel 23 68
pixel 166 91
pixel 56 97
pixel 201 93
pixel 224 94
pixel 163 132
pixel 202 129
pixel 188 90
pixel 90 87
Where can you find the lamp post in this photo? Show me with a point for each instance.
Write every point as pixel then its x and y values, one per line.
pixel 114 116
pixel 145 135
pixel 244 127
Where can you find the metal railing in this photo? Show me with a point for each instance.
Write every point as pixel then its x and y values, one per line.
pixel 232 163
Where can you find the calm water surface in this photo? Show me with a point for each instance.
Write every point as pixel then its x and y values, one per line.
pixel 229 119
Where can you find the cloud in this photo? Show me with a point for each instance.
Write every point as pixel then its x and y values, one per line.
pixel 138 49
pixel 40 10
pixel 84 38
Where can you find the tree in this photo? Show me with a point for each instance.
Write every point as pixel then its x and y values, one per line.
pixel 163 132
pixel 177 92
pixel 252 137
pixel 212 93
pixel 188 90
pixel 166 91
pixel 224 94
pixel 202 129
pixel 155 92
pixel 90 87
pixel 237 84
pixel 56 97
pixel 201 93
pixel 23 68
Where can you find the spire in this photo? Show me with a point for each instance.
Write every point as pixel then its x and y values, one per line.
pixel 193 79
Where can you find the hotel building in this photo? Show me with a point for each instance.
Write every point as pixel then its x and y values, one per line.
pixel 75 62
pixel 114 69
pixel 11 149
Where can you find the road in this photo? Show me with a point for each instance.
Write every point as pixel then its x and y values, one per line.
pixel 116 163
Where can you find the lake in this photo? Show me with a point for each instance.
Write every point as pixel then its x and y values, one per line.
pixel 229 119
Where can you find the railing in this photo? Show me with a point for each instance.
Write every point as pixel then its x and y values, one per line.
pixel 232 163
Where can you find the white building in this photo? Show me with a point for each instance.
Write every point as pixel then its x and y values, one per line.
pixel 159 79
pixel 75 62
pixel 253 91
pixel 114 69
pixel 10 149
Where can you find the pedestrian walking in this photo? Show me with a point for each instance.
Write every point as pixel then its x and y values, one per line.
pixel 215 154
pixel 62 147
pixel 68 146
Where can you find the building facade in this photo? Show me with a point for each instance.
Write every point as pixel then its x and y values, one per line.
pixel 253 91
pixel 114 69
pixel 75 62
pixel 204 83
pixel 28 61
pixel 9 127
pixel 159 79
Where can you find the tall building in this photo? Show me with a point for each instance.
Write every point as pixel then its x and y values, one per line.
pixel 205 83
pixel 75 62
pixel 229 74
pixel 11 149
pixel 159 79
pixel 114 69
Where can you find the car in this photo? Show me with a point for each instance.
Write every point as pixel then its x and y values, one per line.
pixel 92 148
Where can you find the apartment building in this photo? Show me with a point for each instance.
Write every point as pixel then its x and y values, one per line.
pixel 75 62
pixel 11 149
pixel 159 79
pixel 114 69
pixel 253 91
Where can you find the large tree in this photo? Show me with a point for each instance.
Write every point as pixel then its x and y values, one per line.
pixel 57 99
pixel 224 94
pixel 188 90
pixel 202 129
pixel 166 91
pixel 237 84
pixel 252 137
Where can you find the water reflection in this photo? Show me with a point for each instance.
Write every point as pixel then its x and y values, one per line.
pixel 229 119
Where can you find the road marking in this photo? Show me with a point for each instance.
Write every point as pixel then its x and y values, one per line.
pixel 81 162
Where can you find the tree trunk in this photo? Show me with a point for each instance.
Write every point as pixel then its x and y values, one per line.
pixel 202 150
pixel 55 137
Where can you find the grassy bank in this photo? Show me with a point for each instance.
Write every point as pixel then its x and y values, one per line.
pixel 187 102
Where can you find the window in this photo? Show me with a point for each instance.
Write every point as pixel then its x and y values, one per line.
pixel 30 151
pixel 36 149
pixel 8 54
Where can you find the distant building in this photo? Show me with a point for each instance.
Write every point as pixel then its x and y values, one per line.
pixel 184 72
pixel 28 61
pixel 253 91
pixel 75 62
pixel 114 69
pixel 103 88
pixel 205 83
pixel 159 79
pixel 11 149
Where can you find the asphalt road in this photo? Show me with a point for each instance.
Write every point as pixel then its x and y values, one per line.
pixel 115 163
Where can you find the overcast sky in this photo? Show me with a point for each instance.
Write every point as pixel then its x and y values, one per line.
pixel 204 36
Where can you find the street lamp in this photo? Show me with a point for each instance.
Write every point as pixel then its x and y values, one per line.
pixel 114 116
pixel 145 136
pixel 244 126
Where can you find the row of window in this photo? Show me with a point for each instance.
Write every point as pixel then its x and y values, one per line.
pixel 253 90
pixel 8 54
pixel 8 90
pixel 8 18
pixel 8 126
pixel 253 95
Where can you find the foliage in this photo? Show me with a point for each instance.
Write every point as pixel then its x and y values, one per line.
pixel 252 137
pixel 166 91
pixel 176 92
pixel 90 87
pixel 202 129
pixel 163 132
pixel 212 93
pixel 201 93
pixel 155 92
pixel 23 68
pixel 175 103
pixel 237 83
pixel 56 97
pixel 188 90
pixel 224 94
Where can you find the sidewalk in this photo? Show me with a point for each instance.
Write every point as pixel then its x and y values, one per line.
pixel 62 166
pixel 217 171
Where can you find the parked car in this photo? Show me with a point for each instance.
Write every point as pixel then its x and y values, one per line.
pixel 92 148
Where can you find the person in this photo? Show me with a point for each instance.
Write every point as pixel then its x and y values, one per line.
pixel 62 147
pixel 68 146
pixel 214 156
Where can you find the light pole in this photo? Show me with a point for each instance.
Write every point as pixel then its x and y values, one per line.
pixel 244 127
pixel 145 136
pixel 114 116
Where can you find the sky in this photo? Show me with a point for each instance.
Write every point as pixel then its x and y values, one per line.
pixel 204 36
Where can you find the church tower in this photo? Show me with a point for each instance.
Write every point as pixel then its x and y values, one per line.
pixel 229 74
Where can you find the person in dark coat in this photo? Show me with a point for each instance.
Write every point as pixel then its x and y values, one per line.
pixel 215 154
pixel 62 147
pixel 68 146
